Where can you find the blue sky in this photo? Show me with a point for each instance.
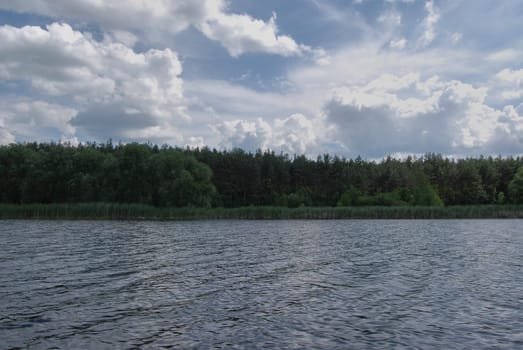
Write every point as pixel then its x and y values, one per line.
pixel 362 77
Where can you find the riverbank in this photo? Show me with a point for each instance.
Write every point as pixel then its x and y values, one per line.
pixel 113 211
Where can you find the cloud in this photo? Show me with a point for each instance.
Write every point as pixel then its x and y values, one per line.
pixel 6 136
pixel 233 101
pixel 387 85
pixel 295 134
pixel 406 114
pixel 508 135
pixel 509 84
pixel 241 34
pixel 398 44
pixel 366 62
pixel 112 86
pixel 25 119
pixel 169 16
pixel 238 33
pixel 505 55
pixel 429 23
pixel 456 37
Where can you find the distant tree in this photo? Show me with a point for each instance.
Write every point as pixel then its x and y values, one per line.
pixel 500 199
pixel 167 176
pixel 300 198
pixel 515 188
pixel 423 194
pixel 468 186
pixel 349 197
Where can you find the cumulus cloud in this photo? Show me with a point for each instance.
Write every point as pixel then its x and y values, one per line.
pixel 25 119
pixel 109 83
pixel 60 61
pixel 510 83
pixel 508 136
pixel 296 134
pixel 450 117
pixel 170 16
pixel 238 33
pixel 362 94
pixel 242 33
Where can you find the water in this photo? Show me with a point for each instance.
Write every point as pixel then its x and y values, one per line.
pixel 261 284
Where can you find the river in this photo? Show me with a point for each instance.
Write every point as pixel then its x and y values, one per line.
pixel 261 284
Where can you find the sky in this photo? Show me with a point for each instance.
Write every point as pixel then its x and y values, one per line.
pixel 367 78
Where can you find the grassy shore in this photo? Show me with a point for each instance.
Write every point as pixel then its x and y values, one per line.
pixel 112 211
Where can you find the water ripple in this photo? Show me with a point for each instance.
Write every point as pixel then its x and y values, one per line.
pixel 258 284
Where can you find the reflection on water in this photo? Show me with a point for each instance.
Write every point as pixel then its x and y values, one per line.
pixel 261 284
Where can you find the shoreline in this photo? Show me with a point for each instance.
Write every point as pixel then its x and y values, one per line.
pixel 116 211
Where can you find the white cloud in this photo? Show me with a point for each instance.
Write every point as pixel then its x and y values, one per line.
pixel 429 23
pixel 510 83
pixel 450 117
pixel 195 142
pixel 456 37
pixel 249 135
pixel 238 33
pixel 169 16
pixel 295 135
pixel 388 87
pixel 319 55
pixel 511 76
pixel 386 106
pixel 242 33
pixel 398 44
pixel 124 37
pixel 25 119
pixel 66 62
pixel 365 62
pixel 236 116
pixel 129 89
pixel 225 100
pixel 390 19
pixel 508 136
pixel 6 137
pixel 506 55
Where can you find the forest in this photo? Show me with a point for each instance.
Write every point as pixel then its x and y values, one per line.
pixel 165 176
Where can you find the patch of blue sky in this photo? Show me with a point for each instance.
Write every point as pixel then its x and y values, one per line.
pixel 19 20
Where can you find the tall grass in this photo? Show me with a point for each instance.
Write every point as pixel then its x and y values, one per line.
pixel 115 211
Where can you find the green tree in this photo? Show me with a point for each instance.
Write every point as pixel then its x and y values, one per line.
pixel 515 188
pixel 349 197
pixel 423 194
pixel 180 180
pixel 468 185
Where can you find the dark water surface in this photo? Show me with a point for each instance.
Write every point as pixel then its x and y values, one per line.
pixel 261 284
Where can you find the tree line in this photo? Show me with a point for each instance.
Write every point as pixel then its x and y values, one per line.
pixel 167 176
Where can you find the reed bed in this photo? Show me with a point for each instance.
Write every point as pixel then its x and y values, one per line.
pixel 116 211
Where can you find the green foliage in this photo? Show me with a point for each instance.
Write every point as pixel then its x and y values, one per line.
pixel 173 177
pixel 132 173
pixel 500 198
pixel 515 188
pixel 349 197
pixel 423 194
pixel 301 198
pixel 382 199
pixel 469 181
